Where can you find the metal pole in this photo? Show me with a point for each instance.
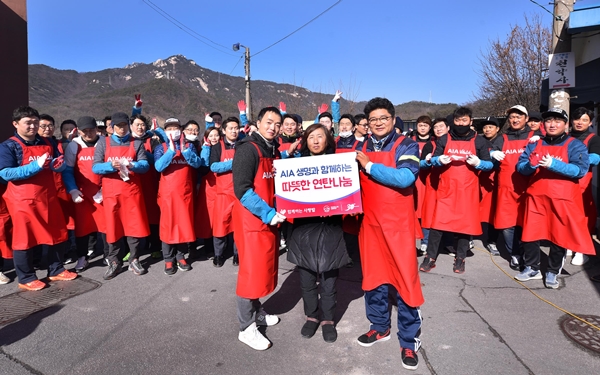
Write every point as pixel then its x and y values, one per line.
pixel 248 98
pixel 561 42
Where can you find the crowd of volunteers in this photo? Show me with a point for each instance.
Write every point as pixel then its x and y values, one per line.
pixel 124 187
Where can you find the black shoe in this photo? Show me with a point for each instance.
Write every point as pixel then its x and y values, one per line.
pixel 459 265
pixel 309 329
pixel 183 265
pixel 427 264
pixel 373 336
pixel 113 270
pixel 137 267
pixel 218 261
pixel 329 332
pixel 410 360
pixel 169 268
pixel 350 264
pixel 236 260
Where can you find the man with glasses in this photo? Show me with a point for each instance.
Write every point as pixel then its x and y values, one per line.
pixel 553 202
pixel 389 166
pixel 460 154
pixel 362 127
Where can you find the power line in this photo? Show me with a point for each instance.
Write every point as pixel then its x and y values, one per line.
pixel 184 28
pixel 298 29
pixel 236 64
pixel 541 6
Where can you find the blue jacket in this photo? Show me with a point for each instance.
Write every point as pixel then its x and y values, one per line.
pixel 407 162
pixel 576 167
pixel 141 165
pixel 163 159
pixel 11 156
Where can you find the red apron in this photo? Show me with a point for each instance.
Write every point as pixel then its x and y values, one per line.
pixel 149 183
pixel 487 201
pixel 64 198
pixel 457 205
pixel 554 207
pixel 225 198
pixel 5 227
pixel 419 192
pixel 176 200
pixel 387 233
pixel 205 205
pixel 256 241
pixel 432 181
pixel 89 215
pixel 585 183
pixel 510 186
pixel 124 209
pixel 34 209
pixel 350 224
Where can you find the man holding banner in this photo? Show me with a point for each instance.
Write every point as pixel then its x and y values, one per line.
pixel 255 226
pixel 390 164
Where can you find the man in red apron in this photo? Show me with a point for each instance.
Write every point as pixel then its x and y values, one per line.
pixel 85 189
pixel 390 165
pixel 487 183
pixel 120 159
pixel 422 135
pixel 255 226
pixel 511 185
pixel 581 120
pixel 460 154
pixel 27 162
pixel 553 202
pixel 176 162
pixel 221 161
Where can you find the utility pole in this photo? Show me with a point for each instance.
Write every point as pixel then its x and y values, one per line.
pixel 561 42
pixel 236 47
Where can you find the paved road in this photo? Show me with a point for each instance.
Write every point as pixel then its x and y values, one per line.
pixel 481 322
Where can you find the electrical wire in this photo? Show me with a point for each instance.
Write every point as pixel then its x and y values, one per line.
pixel 298 29
pixel 538 296
pixel 184 28
pixel 541 6
pixel 236 64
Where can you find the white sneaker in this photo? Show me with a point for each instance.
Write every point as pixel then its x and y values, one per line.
pixel 271 320
pixel 569 253
pixel 253 338
pixel 579 259
pixel 282 244
pixel 4 279
pixel 423 248
pixel 471 245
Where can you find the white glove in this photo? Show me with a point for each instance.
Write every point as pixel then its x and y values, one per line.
pixel 277 219
pixel 98 197
pixel 534 139
pixel 473 160
pixel 208 118
pixel 76 195
pixel 171 144
pixel 337 96
pixel 42 160
pixel 428 157
pixel 546 161
pixel 124 162
pixel 498 155
pixel 445 159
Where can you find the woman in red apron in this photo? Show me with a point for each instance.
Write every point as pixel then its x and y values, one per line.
pixel 553 205
pixel 125 213
pixel 207 192
pixel 176 162
pixel 221 160
pixel 387 233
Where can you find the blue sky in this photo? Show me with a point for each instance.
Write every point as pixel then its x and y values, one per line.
pixel 403 50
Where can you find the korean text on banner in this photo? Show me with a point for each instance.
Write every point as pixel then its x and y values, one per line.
pixel 317 185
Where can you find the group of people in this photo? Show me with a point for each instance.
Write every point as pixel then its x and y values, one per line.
pixel 135 185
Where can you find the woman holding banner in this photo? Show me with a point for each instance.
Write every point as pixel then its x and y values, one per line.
pixel 317 246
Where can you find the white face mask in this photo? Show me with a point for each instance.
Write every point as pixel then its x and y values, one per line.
pixel 173 134
pixel 135 135
pixel 345 134
pixel 191 137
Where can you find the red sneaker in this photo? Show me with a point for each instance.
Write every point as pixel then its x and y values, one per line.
pixel 65 275
pixel 33 285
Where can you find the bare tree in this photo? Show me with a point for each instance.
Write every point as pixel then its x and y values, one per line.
pixel 511 71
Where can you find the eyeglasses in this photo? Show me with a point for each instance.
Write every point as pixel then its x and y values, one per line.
pixel 383 120
pixel 44 127
pixel 366 125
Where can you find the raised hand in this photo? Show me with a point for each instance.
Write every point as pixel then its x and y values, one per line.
pixel 282 107
pixel 241 106
pixel 138 101
pixel 323 108
pixel 337 96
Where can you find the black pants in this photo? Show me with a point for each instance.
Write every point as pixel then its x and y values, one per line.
pixel 352 246
pixel 220 244
pixel 310 294
pixel 490 234
pixel 23 261
pixel 435 238
pixel 115 248
pixel 153 242
pixel 88 243
pixel 173 252
pixel 556 256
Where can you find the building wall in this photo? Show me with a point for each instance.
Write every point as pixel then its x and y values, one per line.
pixel 13 66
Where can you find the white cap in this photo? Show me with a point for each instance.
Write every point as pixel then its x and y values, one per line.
pixel 172 120
pixel 519 108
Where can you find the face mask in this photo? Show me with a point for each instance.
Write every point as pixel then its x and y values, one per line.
pixel 173 134
pixel 345 134
pixel 461 130
pixel 135 135
pixel 191 137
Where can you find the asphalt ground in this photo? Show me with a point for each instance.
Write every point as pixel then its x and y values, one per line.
pixel 480 322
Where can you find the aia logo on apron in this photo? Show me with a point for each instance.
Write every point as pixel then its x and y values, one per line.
pixel 32 157
pixel 113 158
pixel 267 175
pixel 459 151
pixel 514 151
pixel 86 158
pixel 178 161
